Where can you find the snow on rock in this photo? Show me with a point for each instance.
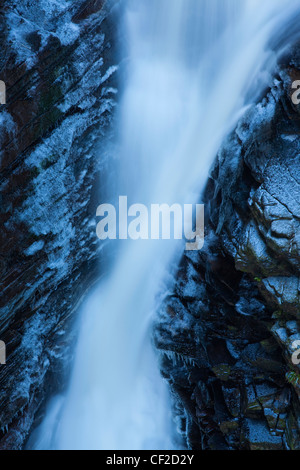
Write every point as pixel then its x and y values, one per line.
pixel 60 70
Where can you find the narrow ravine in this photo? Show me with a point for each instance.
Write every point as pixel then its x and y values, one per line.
pixel 191 65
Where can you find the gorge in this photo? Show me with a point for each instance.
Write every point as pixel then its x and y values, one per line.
pixel 139 344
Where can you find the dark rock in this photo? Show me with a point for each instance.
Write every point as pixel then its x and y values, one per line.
pixel 61 87
pixel 242 289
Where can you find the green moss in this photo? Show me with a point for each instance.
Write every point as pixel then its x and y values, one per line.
pixel 49 161
pixel 58 72
pixel 293 378
pixel 50 96
pixel 291 432
pixel 269 345
pixel 232 328
pixel 44 165
pixel 222 371
pixel 48 113
pixel 278 315
pixel 228 426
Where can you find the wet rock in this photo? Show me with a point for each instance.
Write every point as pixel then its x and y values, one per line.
pixel 259 437
pixel 242 289
pixel 61 87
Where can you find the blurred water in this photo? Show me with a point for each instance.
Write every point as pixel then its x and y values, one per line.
pixel 191 64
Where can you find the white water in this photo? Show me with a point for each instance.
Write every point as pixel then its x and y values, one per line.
pixel 191 63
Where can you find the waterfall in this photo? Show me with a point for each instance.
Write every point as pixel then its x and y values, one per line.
pixel 191 64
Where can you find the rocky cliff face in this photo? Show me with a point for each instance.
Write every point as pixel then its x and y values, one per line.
pixel 225 334
pixel 58 61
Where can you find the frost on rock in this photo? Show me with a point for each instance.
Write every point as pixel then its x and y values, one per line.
pixel 60 71
pixel 34 248
pixel 227 332
pixel 48 17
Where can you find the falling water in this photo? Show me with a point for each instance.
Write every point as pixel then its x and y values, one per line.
pixel 191 63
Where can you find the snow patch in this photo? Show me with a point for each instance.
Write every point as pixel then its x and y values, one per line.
pixel 34 248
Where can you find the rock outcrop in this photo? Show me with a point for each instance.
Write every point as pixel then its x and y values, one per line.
pixel 58 61
pixel 227 333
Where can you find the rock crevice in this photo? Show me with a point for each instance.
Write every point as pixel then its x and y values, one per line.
pixel 226 334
